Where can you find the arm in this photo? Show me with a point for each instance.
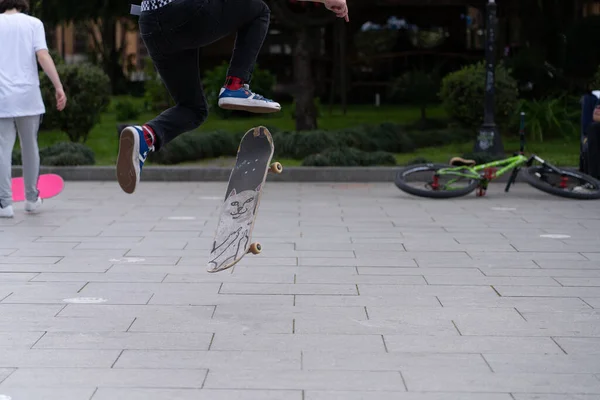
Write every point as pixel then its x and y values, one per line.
pixel 41 51
pixel 49 68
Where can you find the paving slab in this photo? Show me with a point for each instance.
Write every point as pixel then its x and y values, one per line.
pixel 362 292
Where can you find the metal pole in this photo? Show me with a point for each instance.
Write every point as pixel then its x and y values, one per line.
pixel 489 139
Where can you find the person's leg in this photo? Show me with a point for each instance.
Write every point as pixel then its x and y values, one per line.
pixel 593 153
pixel 252 19
pixel 28 134
pixel 180 72
pixel 8 134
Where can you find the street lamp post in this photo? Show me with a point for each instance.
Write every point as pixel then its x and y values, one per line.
pixel 488 139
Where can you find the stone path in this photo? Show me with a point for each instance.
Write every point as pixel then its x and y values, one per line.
pixel 361 292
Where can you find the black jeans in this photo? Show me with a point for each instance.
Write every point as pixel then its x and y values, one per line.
pixel 592 158
pixel 174 35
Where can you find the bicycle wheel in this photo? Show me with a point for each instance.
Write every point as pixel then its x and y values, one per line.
pixel 563 183
pixel 430 184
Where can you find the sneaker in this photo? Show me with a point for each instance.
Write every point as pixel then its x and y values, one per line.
pixel 243 99
pixel 585 188
pixel 31 206
pixel 7 212
pixel 133 151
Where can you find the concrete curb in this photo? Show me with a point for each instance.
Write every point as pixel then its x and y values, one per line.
pixel 216 174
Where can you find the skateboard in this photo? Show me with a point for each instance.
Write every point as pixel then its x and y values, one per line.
pixel 233 238
pixel 49 185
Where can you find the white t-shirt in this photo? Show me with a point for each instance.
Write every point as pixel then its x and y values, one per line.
pixel 21 36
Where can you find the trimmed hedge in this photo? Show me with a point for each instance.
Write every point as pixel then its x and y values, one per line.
pixel 61 155
pixel 387 137
pixel 348 157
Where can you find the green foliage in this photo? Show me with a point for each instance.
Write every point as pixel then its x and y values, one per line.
pixel 547 119
pixel 88 95
pixel 348 157
pixel 388 138
pixel 418 160
pixel 126 110
pixel 298 145
pixel 536 78
pixel 156 97
pixel 262 83
pixel 62 154
pixel 462 94
pixel 417 88
pixel 193 146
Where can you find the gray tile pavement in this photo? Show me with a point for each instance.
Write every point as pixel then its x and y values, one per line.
pixel 361 293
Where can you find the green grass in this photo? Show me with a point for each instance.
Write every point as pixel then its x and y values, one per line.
pixel 103 138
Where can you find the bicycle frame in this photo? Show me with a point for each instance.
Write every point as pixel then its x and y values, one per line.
pixel 485 172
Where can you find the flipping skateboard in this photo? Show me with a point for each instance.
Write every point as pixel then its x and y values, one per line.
pixel 233 239
pixel 49 185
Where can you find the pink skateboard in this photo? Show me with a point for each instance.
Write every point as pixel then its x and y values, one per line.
pixel 49 185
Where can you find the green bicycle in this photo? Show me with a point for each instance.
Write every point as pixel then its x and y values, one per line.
pixel 462 177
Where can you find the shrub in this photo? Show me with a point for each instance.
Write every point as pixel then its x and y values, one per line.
pixel 387 138
pixel 262 82
pixel 126 110
pixel 348 157
pixel 547 118
pixel 298 145
pixel 418 160
pixel 462 94
pixel 62 154
pixel 88 94
pixel 193 146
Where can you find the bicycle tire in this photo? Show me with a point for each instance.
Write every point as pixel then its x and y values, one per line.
pixel 402 184
pixel 529 176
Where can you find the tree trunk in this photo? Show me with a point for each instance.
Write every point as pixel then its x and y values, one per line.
pixel 306 112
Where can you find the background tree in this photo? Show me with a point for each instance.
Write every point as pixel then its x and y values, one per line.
pixel 100 18
pixel 305 19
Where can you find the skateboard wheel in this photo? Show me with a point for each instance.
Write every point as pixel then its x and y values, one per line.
pixel 255 248
pixel 276 168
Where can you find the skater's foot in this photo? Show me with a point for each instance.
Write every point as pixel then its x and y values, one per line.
pixel 134 145
pixel 6 212
pixel 33 206
pixel 243 99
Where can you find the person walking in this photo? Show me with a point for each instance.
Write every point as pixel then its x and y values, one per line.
pixel 23 40
pixel 174 32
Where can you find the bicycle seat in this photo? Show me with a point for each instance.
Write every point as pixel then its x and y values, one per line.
pixel 459 162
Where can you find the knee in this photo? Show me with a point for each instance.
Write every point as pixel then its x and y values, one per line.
pixel 265 10
pixel 199 115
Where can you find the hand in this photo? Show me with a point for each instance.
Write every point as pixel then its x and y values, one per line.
pixel 61 99
pixel 596 115
pixel 339 7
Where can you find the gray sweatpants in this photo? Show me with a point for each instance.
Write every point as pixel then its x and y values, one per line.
pixel 27 127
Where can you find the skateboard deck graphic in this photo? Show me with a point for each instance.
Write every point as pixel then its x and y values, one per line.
pixel 236 221
pixel 49 185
